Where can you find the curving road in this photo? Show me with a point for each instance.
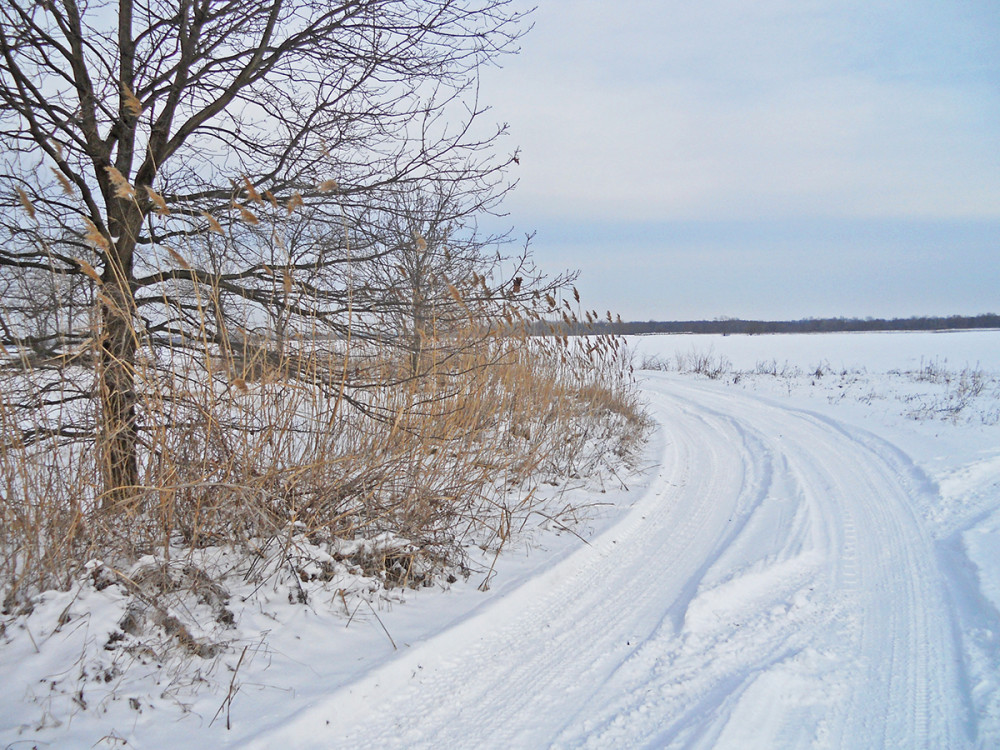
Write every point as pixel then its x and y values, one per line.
pixel 773 588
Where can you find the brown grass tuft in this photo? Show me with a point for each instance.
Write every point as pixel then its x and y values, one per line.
pixel 158 201
pixel 94 237
pixel 64 183
pixel 294 202
pixel 26 203
pixel 122 187
pixel 213 223
pixel 247 215
pixel 130 101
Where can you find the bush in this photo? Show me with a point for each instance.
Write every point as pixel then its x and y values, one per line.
pixel 324 443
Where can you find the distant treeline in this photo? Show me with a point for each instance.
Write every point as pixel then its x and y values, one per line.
pixel 806 325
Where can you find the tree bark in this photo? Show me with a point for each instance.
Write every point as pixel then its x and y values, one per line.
pixel 117 437
pixel 117 426
pixel 119 341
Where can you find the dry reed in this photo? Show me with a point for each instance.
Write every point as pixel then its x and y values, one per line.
pixel 243 445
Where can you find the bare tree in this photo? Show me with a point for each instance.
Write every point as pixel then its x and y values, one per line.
pixel 436 273
pixel 152 147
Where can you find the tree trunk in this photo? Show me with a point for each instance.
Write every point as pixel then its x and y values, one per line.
pixel 117 440
pixel 118 424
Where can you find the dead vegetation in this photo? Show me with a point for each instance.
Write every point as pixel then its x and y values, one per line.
pixel 934 390
pixel 334 461
pixel 328 444
pixel 250 330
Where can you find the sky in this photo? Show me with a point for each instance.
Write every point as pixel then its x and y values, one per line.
pixel 771 159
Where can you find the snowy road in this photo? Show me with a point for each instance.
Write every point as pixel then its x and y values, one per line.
pixel 773 588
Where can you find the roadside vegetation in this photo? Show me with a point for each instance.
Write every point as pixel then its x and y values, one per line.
pixel 933 390
pixel 252 332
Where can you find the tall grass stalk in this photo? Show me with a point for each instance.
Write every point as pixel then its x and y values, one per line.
pixel 245 443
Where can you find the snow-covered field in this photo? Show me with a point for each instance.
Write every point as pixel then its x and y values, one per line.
pixel 875 352
pixel 811 558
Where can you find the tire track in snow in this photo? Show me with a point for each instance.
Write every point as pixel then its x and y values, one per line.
pixel 904 685
pixel 772 589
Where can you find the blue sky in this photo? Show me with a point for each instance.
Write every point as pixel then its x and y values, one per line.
pixel 768 159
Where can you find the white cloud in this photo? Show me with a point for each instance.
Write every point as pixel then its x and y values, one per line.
pixel 647 110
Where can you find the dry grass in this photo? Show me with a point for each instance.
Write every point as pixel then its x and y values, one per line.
pixel 367 442
pixel 252 450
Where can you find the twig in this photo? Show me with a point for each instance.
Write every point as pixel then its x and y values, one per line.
pixel 394 647
pixel 351 618
pixel 303 596
pixel 561 526
pixel 485 585
pixel 228 701
pixel 28 631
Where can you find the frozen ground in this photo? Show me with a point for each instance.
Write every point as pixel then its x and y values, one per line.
pixel 873 352
pixel 811 559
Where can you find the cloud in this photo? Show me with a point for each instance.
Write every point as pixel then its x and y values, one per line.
pixel 780 269
pixel 650 110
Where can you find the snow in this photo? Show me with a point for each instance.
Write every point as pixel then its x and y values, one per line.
pixel 810 559
pixel 876 351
